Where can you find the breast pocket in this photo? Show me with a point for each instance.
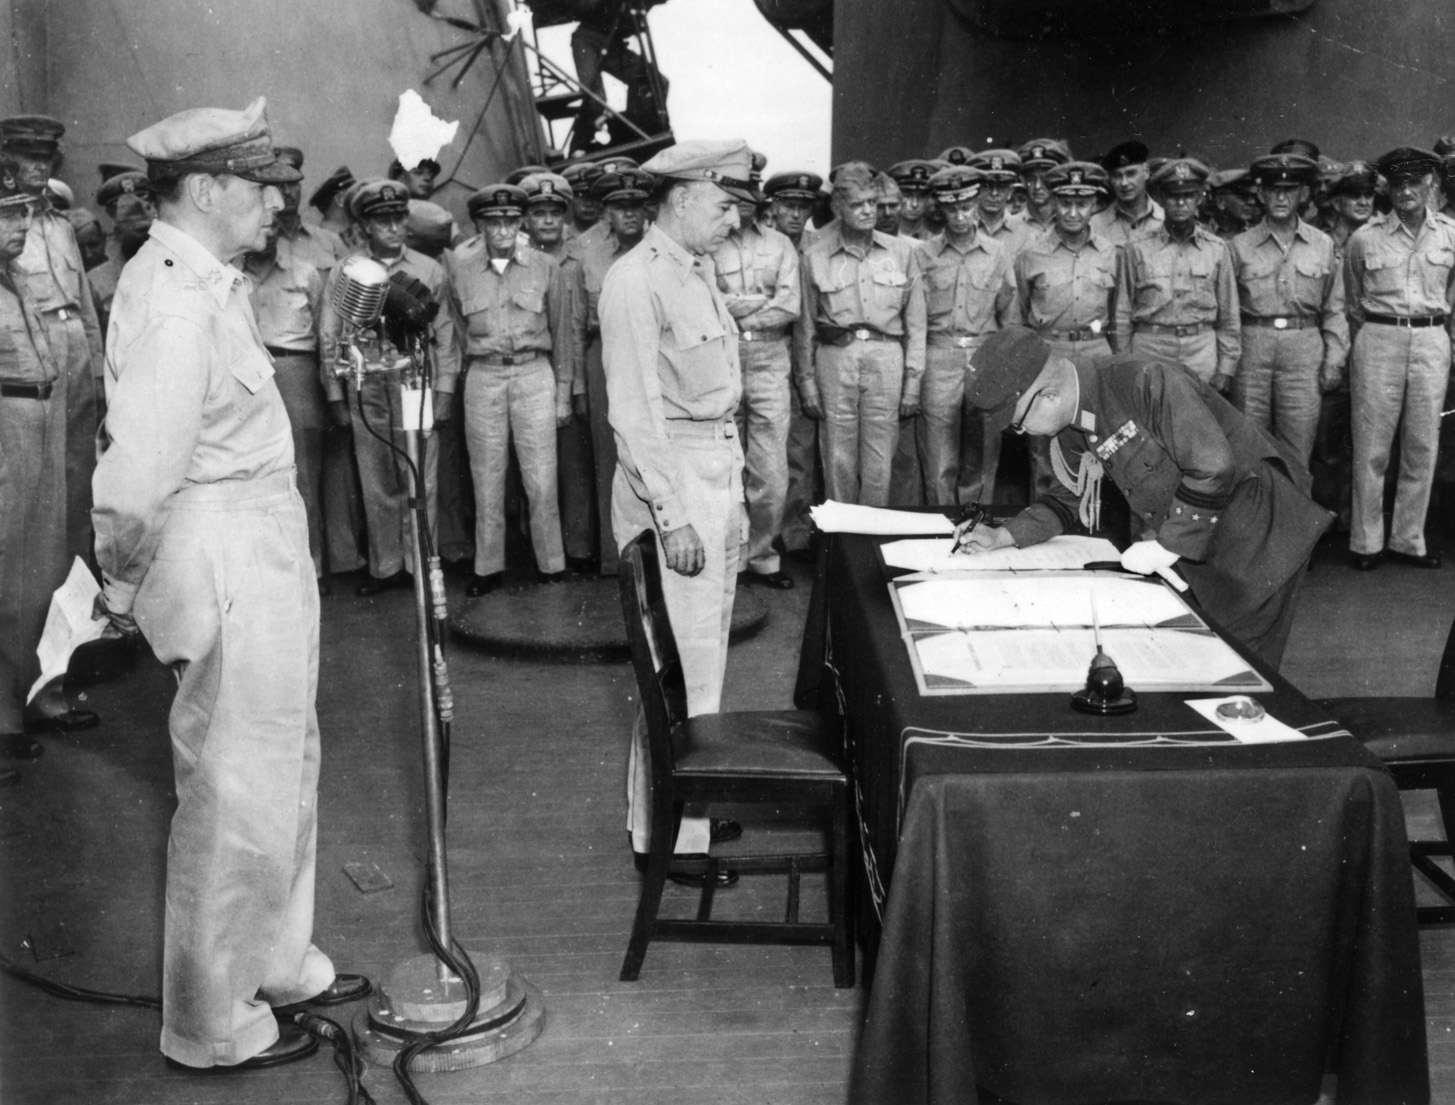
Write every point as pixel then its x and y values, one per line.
pixel 729 272
pixel 1155 279
pixel 530 300
pixel 252 369
pixel 1384 274
pixel 474 299
pixel 1438 261
pixel 1146 476
pixel 940 291
pixel 1310 276
pixel 14 344
pixel 890 288
pixel 1200 283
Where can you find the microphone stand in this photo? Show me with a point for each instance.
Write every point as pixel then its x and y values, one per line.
pixel 437 1012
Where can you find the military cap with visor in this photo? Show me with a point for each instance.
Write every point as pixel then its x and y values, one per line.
pixel 956 155
pixel 108 169
pixel 1077 178
pixel 547 187
pixel 1357 178
pixel 1178 175
pixel 1001 166
pixel 1407 161
pixel 504 201
pixel 913 175
pixel 123 184
pixel 627 186
pixel 1004 367
pixel 1043 153
pixel 580 174
pixel 616 163
pixel 1131 152
pixel 1236 179
pixel 291 154
pixel 371 199
pixel 793 186
pixel 340 180
pixel 11 194
pixel 517 175
pixel 957 183
pixel 37 135
pixel 1299 146
pixel 1284 168
pixel 728 164
pixel 217 141
pixel 429 227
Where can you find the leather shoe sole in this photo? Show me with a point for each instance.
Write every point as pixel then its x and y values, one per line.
pixel 1362 562
pixel 778 581
pixel 72 721
pixel 343 989
pixel 724 831
pixel 17 746
pixel 291 1045
pixel 1429 560
pixel 482 585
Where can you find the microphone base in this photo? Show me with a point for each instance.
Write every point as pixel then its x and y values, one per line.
pixel 1085 702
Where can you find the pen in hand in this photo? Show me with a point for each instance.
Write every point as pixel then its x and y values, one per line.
pixel 974 514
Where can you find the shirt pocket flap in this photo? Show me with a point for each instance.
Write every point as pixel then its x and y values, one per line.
pixel 473 297
pixel 889 278
pixel 691 334
pixel 1378 262
pixel 1441 256
pixel 728 262
pixel 252 369
pixel 1311 267
pixel 1200 264
pixel 530 299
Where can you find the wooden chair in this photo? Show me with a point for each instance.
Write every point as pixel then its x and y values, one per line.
pixel 785 758
pixel 1415 737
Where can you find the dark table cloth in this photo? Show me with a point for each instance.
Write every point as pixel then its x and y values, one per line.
pixel 1069 909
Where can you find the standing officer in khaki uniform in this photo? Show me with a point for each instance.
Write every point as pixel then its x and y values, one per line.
pixel 1291 293
pixel 757 273
pixel 1038 157
pixel 1134 212
pixel 508 307
pixel 860 339
pixel 381 208
pixel 29 148
pixel 1178 298
pixel 203 546
pixel 623 193
pixel 33 560
pixel 320 247
pixel 1235 203
pixel 1399 281
pixel 969 292
pixel 1000 171
pixel 913 178
pixel 791 199
pixel 671 359
pixel 127 198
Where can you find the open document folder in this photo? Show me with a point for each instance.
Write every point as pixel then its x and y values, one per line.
pixel 1004 633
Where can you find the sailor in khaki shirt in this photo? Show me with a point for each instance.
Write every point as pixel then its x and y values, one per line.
pixel 861 341
pixel 671 360
pixel 757 273
pixel 1291 293
pixel 203 547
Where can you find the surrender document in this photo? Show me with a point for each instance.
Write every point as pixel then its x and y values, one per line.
pixel 1061 552
pixel 998 633
pixel 68 625
pixel 835 517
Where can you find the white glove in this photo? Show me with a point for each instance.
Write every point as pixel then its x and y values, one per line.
pixel 1148 557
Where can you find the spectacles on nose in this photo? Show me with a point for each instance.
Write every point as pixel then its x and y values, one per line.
pixel 1019 425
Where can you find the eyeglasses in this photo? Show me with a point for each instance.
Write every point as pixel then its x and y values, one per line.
pixel 1019 425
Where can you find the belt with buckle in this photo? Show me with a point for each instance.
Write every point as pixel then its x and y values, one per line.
pixel 61 313
pixel 505 360
pixel 949 339
pixel 1097 329
pixel 27 391
pixel 279 351
pixel 688 427
pixel 1415 321
pixel 1282 322
pixel 773 333
pixel 867 333
pixel 1189 330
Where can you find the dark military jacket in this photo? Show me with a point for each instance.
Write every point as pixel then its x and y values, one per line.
pixel 1225 496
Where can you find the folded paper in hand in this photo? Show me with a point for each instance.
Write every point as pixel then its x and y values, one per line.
pixel 834 517
pixel 68 625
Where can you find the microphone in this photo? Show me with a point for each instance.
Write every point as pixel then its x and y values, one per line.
pixel 358 296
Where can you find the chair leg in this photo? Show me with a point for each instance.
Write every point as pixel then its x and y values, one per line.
pixel 840 899
pixel 654 879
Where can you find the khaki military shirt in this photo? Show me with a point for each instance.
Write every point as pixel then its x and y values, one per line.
pixel 760 261
pixel 1116 226
pixel 1167 282
pixel 56 276
pixel 25 353
pixel 968 290
pixel 1063 289
pixel 191 399
pixel 1012 231
pixel 516 311
pixel 377 349
pixel 1305 280
pixel 287 292
pixel 670 352
pixel 846 286
pixel 1391 270
pixel 317 245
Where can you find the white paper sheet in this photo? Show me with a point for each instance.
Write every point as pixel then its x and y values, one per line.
pixel 1265 730
pixel 835 517
pixel 68 625
pixel 927 554
pixel 1003 600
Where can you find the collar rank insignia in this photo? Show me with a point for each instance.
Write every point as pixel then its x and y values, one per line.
pixel 1086 420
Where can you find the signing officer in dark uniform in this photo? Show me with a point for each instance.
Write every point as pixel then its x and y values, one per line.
pixel 1212 493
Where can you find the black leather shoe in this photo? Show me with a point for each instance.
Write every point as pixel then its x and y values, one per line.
pixel 1365 562
pixel 17 746
pixel 723 831
pixel 72 721
pixel 482 585
pixel 726 877
pixel 581 565
pixel 552 577
pixel 1429 560
pixel 375 586
pixel 779 581
pixel 343 989
pixel 291 1045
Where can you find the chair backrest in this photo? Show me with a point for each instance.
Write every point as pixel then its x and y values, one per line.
pixel 1445 680
pixel 653 647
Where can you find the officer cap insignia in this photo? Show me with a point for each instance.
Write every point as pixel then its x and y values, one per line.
pixel 128 185
pixel 803 182
pixel 997 163
pixel 1038 151
pixel 502 198
pixel 1076 176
